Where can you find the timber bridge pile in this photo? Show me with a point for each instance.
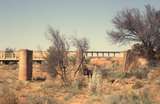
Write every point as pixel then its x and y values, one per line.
pixel 39 56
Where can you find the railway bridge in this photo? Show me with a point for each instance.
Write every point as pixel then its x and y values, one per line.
pixel 39 56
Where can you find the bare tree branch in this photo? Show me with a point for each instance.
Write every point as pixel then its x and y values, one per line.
pixel 134 25
pixel 82 45
pixel 57 57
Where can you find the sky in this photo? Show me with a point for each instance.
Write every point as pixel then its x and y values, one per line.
pixel 24 23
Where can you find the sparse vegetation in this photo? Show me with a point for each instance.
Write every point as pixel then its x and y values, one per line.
pixel 128 98
pixel 95 82
pixel 57 57
pixel 78 79
pixel 82 45
pixel 41 100
pixel 139 73
pixel 138 85
pixel 72 60
pixel 117 74
pixel 132 25
pixel 8 96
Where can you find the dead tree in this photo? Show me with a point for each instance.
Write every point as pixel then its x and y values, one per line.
pixel 82 46
pixel 57 58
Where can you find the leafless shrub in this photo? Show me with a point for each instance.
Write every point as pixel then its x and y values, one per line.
pixel 82 45
pixel 57 54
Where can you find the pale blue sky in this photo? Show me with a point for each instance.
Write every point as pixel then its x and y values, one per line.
pixel 23 23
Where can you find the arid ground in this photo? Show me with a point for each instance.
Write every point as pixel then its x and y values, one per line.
pixel 139 86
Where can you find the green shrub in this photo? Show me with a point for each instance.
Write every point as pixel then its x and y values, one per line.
pixel 139 73
pixel 105 73
pixel 117 74
pixel 87 60
pixel 115 65
pixel 72 59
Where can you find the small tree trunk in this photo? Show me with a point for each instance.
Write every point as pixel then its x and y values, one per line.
pixel 151 56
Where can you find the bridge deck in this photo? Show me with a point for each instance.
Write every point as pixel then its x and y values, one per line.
pixel 39 55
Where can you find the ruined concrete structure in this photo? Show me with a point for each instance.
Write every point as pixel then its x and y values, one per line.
pixel 25 64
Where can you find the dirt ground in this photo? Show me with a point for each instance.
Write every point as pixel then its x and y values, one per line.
pixel 115 87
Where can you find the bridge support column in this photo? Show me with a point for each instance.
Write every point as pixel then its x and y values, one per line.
pixel 97 54
pixel 102 54
pixel 92 54
pixel 25 64
pixel 114 54
pixel 108 54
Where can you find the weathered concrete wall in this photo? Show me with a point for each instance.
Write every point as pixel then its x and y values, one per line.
pixel 25 64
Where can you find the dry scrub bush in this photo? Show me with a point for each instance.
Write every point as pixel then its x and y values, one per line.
pixel 105 73
pixel 82 45
pixel 20 85
pixel 50 86
pixel 113 74
pixel 157 81
pixel 95 82
pixel 57 54
pixel 122 98
pixel 138 85
pixel 72 60
pixel 117 74
pixel 128 98
pixel 138 73
pixel 40 100
pixel 8 97
pixel 76 86
pixel 79 83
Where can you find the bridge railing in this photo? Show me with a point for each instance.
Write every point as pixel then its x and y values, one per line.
pixel 40 55
pixel 37 55
pixel 8 55
pixel 104 54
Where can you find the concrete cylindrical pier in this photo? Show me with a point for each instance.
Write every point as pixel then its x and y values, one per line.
pixel 25 64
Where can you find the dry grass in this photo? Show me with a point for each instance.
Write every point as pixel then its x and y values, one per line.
pixel 8 96
pixel 107 87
